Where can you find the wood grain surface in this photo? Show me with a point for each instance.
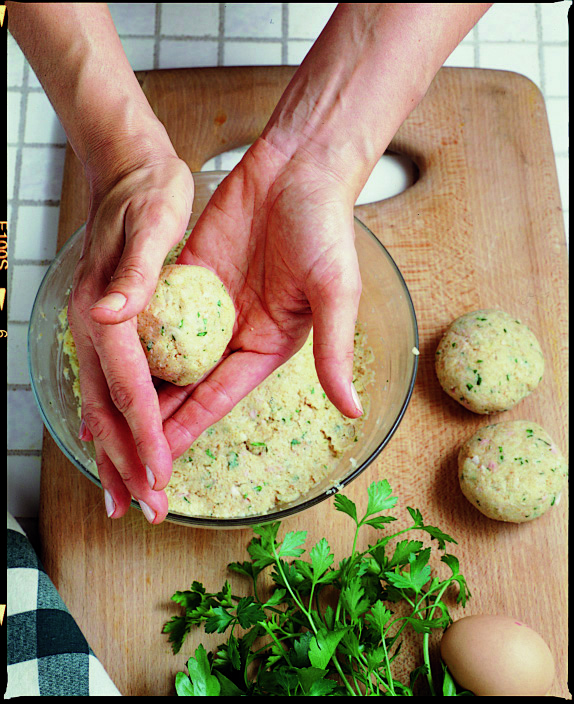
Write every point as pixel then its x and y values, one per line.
pixel 481 227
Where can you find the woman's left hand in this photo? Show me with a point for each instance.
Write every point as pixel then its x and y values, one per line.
pixel 279 233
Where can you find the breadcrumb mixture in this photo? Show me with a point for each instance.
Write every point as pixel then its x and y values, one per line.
pixel 273 447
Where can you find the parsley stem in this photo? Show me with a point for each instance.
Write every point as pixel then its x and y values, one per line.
pixel 342 676
pixel 254 580
pixel 388 685
pixel 354 675
pixel 254 653
pixel 310 620
pixel 293 595
pixel 426 636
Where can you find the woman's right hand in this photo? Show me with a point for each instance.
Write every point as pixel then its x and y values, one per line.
pixel 135 218
pixel 140 202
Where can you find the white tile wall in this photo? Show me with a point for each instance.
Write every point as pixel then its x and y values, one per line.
pixel 530 38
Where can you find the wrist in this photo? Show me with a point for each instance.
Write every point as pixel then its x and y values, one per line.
pixel 367 71
pixel 349 96
pixel 113 151
pixel 78 57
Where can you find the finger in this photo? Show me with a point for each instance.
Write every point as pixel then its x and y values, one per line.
pixel 123 476
pixel 334 312
pixel 84 434
pixel 151 231
pixel 116 496
pixel 113 440
pixel 213 398
pixel 172 397
pixel 126 371
pixel 122 482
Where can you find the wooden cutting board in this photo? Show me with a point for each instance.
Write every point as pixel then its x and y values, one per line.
pixel 482 227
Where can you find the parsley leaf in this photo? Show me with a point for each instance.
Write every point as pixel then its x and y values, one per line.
pixel 203 683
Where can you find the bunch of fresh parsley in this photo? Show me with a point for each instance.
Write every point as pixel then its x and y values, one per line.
pixel 295 643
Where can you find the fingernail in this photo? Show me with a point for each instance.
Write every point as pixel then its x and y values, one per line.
pixel 356 398
pixel 110 503
pixel 83 432
pixel 113 301
pixel 150 477
pixel 148 512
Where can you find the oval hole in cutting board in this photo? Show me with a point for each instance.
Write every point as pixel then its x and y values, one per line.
pixel 393 174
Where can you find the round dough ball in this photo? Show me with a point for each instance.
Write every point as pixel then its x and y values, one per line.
pixel 187 324
pixel 488 361
pixel 511 471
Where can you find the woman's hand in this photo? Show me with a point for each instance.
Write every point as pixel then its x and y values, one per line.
pixel 279 230
pixel 133 222
pixel 279 233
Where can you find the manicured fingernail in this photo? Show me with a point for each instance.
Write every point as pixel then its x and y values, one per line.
pixel 110 503
pixel 148 512
pixel 356 398
pixel 150 477
pixel 83 434
pixel 113 301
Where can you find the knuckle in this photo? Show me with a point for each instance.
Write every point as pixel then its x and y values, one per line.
pixel 122 396
pixel 127 475
pixel 132 270
pixel 327 352
pixel 98 424
pixel 350 288
pixel 181 438
pixel 219 400
pixel 80 297
pixel 334 356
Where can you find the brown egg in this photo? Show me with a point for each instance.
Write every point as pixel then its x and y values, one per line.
pixel 497 655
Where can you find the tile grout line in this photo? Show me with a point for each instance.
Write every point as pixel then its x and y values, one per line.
pixel 541 63
pixel 476 46
pixel 284 32
pixel 19 144
pixel 17 176
pixel 220 58
pixel 32 262
pixel 157 35
pixel 221 35
pixel 213 37
pixel 37 145
pixel 34 201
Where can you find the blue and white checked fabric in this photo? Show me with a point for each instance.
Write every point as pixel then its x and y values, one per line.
pixel 47 653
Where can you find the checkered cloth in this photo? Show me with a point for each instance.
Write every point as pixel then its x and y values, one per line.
pixel 47 653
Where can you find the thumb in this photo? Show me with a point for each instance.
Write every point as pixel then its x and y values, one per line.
pixel 150 233
pixel 334 316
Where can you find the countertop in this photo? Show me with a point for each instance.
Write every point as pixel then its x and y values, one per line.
pixel 530 38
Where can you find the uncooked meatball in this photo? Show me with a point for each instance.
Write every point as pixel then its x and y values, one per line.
pixel 512 471
pixel 187 324
pixel 488 361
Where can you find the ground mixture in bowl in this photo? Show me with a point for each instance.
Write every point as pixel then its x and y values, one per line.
pixel 277 443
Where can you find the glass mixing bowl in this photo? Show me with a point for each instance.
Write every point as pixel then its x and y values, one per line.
pixel 386 311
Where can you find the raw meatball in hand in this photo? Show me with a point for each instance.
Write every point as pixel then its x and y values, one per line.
pixel 186 326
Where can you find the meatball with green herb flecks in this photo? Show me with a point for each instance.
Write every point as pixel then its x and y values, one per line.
pixel 187 324
pixel 512 471
pixel 488 361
